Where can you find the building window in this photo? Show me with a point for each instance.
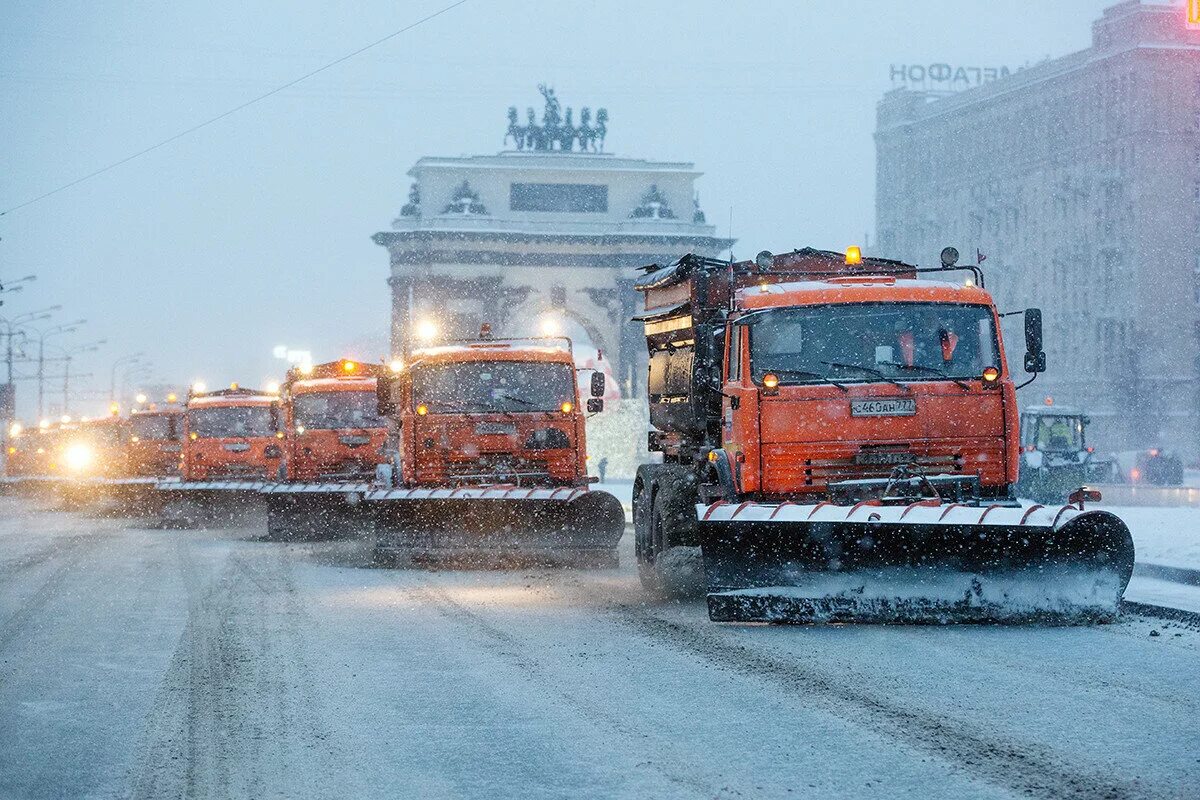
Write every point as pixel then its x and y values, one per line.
pixel 571 198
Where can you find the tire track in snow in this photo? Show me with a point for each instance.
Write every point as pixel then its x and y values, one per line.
pixel 670 763
pixel 70 552
pixel 1022 768
pixel 237 714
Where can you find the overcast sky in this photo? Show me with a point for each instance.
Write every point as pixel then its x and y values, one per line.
pixel 256 231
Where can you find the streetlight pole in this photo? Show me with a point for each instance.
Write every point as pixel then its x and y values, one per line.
pixel 112 384
pixel 68 354
pixel 41 368
pixel 11 327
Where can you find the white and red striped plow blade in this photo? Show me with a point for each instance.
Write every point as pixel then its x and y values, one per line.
pixel 489 519
pixel 926 562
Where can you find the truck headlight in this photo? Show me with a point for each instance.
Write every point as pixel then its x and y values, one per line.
pixel 79 457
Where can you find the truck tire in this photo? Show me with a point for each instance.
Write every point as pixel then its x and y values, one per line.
pixel 666 568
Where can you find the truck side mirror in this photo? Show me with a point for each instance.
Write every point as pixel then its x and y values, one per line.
pixel 597 384
pixel 595 404
pixel 385 401
pixel 1035 358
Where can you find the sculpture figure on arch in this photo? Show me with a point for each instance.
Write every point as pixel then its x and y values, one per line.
pixel 601 128
pixel 514 129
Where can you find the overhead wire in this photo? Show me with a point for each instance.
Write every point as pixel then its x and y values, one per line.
pixel 234 110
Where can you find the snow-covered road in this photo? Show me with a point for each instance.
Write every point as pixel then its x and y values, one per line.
pixel 145 663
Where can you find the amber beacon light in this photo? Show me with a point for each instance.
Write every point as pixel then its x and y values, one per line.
pixel 1193 14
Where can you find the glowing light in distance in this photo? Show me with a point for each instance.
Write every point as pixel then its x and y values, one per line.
pixel 300 429
pixel 396 366
pixel 65 418
pixel 79 457
pixel 551 326
pixel 199 387
pixel 193 436
pixel 44 424
pixel 568 407
pixel 427 330
pixel 422 410
pixel 141 398
pixel 273 387
pixel 306 369
pixel 349 366
pixel 15 429
pixel 171 398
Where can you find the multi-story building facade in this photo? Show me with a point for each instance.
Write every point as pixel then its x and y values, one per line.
pixel 541 233
pixel 1079 181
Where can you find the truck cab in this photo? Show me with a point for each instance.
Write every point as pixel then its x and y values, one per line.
pixel 493 411
pixel 333 429
pixel 232 434
pixel 155 441
pixel 846 378
pixel 96 448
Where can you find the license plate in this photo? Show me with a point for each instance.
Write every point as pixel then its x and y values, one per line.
pixel 884 407
pixel 883 457
pixel 495 429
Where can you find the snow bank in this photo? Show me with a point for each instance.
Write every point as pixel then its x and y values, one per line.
pixel 1167 536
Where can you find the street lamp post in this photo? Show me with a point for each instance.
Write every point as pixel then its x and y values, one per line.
pixel 68 354
pixel 112 382
pixel 138 371
pixel 41 369
pixel 12 329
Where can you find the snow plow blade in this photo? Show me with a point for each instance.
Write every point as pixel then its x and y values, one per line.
pixel 497 526
pixel 211 504
pixel 115 497
pixel 316 510
pixel 924 563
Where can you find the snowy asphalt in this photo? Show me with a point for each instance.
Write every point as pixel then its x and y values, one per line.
pixel 148 663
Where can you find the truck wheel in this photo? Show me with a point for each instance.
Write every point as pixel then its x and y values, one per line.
pixel 666 569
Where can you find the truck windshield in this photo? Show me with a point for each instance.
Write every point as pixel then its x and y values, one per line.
pixel 1051 432
pixel 152 426
pixel 231 422
pixel 501 386
pixel 890 341
pixel 327 410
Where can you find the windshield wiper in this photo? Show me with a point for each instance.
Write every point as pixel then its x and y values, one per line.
pixel 452 406
pixel 870 371
pixel 932 370
pixel 809 373
pixel 523 402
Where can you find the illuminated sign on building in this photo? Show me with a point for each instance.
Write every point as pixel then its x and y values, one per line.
pixel 946 76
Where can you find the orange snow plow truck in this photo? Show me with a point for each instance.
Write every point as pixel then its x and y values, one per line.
pixel 840 439
pixel 334 438
pixel 490 462
pixel 232 447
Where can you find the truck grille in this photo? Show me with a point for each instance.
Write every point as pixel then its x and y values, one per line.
pixel 821 471
pixel 491 470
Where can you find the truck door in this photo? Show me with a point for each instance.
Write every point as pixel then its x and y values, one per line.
pixel 739 411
